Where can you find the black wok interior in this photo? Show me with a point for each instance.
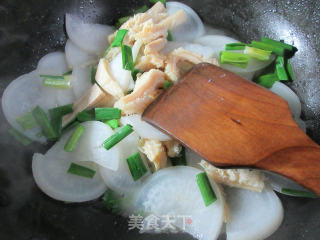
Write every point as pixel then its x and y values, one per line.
pixel 30 29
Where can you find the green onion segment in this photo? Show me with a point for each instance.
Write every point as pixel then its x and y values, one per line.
pixel 113 123
pixel 169 37
pixel 81 171
pixel 111 201
pixel 136 166
pixel 26 121
pixel 167 84
pixel 19 136
pixel 257 53
pixel 127 60
pixel 235 46
pixel 278 50
pixel 234 58
pixel 298 193
pixel 62 82
pixel 42 120
pixel 56 115
pixel 74 139
pixel 205 188
pixel 107 113
pixel 280 69
pixel 117 137
pixel 86 115
pixel 267 80
pixel 121 33
pixel 286 46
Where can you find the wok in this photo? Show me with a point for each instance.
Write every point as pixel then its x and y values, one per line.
pixel 30 29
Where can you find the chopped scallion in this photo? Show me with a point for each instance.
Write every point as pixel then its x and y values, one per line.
pixel 51 76
pixel 107 113
pixel 81 171
pixel 57 83
pixel 286 46
pixel 121 21
pixel 134 73
pixel 205 188
pixel 41 118
pixel 56 115
pixel 169 37
pixel 167 84
pixel 93 75
pixel 20 137
pixel 26 121
pixel 117 137
pixel 74 139
pixel 141 10
pixel 235 46
pixel 278 50
pixel 257 53
pixel 113 123
pixel 127 60
pixel 234 58
pixel 267 80
pixel 179 160
pixel 136 166
pixel 67 73
pixel 280 69
pixel 298 193
pixel 111 201
pixel 119 38
pixel 86 115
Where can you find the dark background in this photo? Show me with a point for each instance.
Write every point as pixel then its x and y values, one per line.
pixel 30 29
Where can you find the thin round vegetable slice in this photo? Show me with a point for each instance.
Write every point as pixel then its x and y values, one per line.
pixel 144 129
pixel 55 64
pixel 287 94
pixel 191 29
pixel 174 191
pixel 253 215
pixel 81 80
pixel 91 38
pixel 51 176
pixel 22 96
pixel 75 56
pixel 121 180
pixel 90 146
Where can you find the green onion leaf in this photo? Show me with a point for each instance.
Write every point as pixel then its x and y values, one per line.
pixel 136 166
pixel 286 46
pixel 141 10
pixel 127 60
pixel 267 80
pixel 179 160
pixel 113 123
pixel 155 1
pixel 121 21
pixel 69 126
pixel 86 115
pixel 117 137
pixel 278 50
pixel 206 190
pixel 119 38
pixel 81 171
pixel 111 201
pixel 298 193
pixel 67 73
pixel 19 136
pixel 234 58
pixel 52 76
pixel 41 118
pixel 26 121
pixel 57 83
pixel 289 70
pixel 167 84
pixel 257 53
pixel 280 69
pixel 74 139
pixel 134 73
pixel 169 37
pixel 235 46
pixel 107 113
pixel 93 75
pixel 56 115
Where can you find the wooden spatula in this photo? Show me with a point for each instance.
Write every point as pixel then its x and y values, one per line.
pixel 231 122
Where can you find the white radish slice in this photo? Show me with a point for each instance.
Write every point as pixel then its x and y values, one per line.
pixel 91 38
pixel 122 76
pixel 55 64
pixel 75 56
pixel 192 28
pixel 287 94
pixel 90 146
pixel 50 174
pixel 144 129
pixel 22 96
pixel 81 80
pixel 174 191
pixel 193 159
pixel 121 181
pixel 253 215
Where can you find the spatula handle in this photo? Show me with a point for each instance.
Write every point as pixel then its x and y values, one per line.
pixel 301 164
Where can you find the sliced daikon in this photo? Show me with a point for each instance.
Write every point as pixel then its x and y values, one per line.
pixel 144 129
pixel 191 29
pixel 22 96
pixel 253 215
pixel 91 38
pixel 287 94
pixel 122 76
pixel 50 174
pixel 55 64
pixel 90 146
pixel 81 79
pixel 75 56
pixel 121 181
pixel 174 191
